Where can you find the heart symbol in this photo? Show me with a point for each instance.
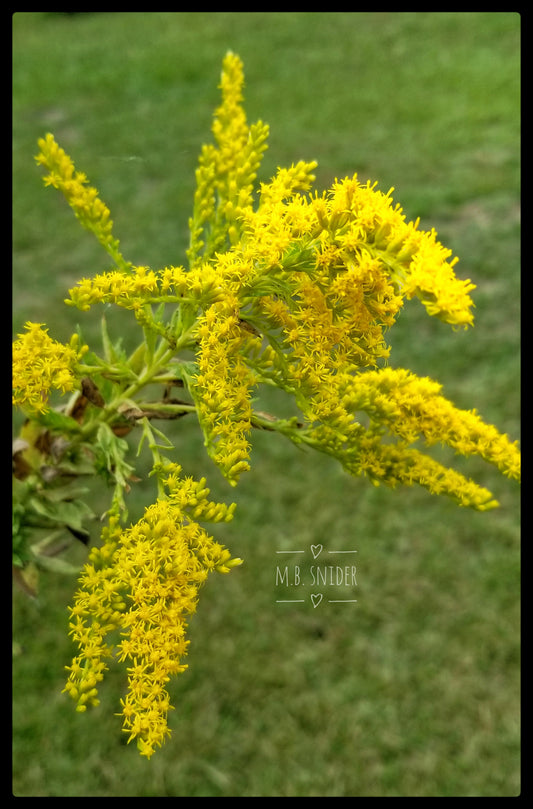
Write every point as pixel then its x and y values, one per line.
pixel 316 550
pixel 316 598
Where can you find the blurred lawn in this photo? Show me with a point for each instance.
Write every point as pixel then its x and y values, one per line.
pixel 414 690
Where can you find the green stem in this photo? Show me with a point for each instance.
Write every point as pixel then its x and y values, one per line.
pixel 291 428
pixel 156 454
pixel 165 410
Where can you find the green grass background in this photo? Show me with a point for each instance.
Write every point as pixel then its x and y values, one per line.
pixel 414 690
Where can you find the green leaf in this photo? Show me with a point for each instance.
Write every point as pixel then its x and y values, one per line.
pixel 185 371
pixel 112 450
pixel 57 565
pixel 54 420
pixel 70 514
pixel 68 492
pixel 114 353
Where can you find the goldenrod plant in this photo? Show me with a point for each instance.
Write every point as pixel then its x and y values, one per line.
pixel 281 286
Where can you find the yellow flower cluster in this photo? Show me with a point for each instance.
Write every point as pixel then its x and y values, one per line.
pixel 89 209
pixel 402 409
pixel 353 244
pixel 126 290
pixel 225 175
pixel 410 407
pixel 143 582
pixel 300 291
pixel 142 285
pixel 307 296
pixel 222 387
pixel 40 365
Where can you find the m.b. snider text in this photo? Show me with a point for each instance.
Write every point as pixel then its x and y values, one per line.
pixel 316 576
